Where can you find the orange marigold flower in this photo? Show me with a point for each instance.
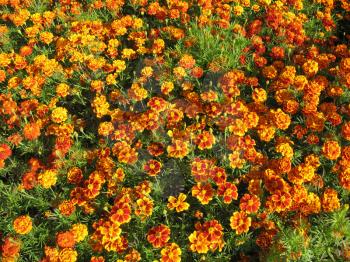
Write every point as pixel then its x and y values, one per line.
pixel 29 180
pixel 157 104
pixel 240 222
pixel 279 201
pixel 310 67
pixel 199 242
pixel 344 179
pixel 158 236
pixel 187 61
pixel 205 140
pixel 121 213
pixel 178 149
pixel 331 150
pixel 203 192
pixel 67 207
pixel 345 130
pixel 229 192
pixel 46 37
pixel 171 253
pixel 330 200
pixel 178 203
pixel 249 203
pixel 74 175
pixel 65 239
pixel 22 225
pixel 10 248
pixel 280 119
pixel 144 207
pixel 5 151
pixel 152 167
pixel 31 131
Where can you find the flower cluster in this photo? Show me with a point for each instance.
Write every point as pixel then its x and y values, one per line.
pixel 149 130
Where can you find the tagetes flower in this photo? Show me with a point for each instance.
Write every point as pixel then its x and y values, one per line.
pixel 198 242
pixel 144 207
pixel 80 232
pixel 152 167
pixel 203 192
pixel 22 225
pixel 65 239
pixel 179 203
pixel 10 248
pixel 48 178
pixel 330 201
pixel 279 201
pixel 228 191
pixel 331 150
pixel 205 140
pixel 59 115
pixel 249 203
pixel 68 255
pixel 179 149
pixel 240 222
pixel 5 151
pixel 171 253
pixel 31 131
pixel 158 236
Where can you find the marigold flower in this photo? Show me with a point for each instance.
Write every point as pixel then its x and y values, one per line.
pixel 229 192
pixel 179 149
pixel 203 192
pixel 59 115
pixel 330 200
pixel 279 201
pixel 344 178
pixel 199 242
pixel 178 203
pixel 5 151
pixel 310 67
pixel 249 203
pixel 240 222
pixel 22 224
pixel 171 253
pixel 144 207
pixel 80 232
pixel 68 255
pixel 66 208
pixel 31 131
pixel 46 37
pixel 10 248
pixel 158 236
pixel 47 178
pixel 65 239
pixel 152 167
pixel 205 140
pixel 331 150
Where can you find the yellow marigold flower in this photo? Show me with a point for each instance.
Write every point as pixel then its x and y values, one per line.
pixel 310 67
pixel 285 149
pixel 47 178
pixel 68 255
pixel 238 10
pixel 80 232
pixel 179 203
pixel 330 200
pixel 59 115
pixel 62 89
pixel 46 37
pixel 22 225
pixel 119 65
